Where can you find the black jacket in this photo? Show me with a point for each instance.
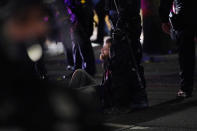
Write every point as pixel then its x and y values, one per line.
pixel 128 11
pixel 82 13
pixel 184 9
pixel 164 10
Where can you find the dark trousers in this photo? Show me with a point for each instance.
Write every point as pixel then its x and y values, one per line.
pixel 67 46
pixel 185 41
pixel 101 16
pixel 137 78
pixel 83 55
pixel 128 81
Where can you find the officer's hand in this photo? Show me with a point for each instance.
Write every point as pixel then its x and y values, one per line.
pixel 166 28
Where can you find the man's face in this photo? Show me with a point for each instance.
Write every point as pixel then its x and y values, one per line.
pixel 105 51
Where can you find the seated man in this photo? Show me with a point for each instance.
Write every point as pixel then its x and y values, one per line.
pixel 106 91
pixel 105 51
pixel 82 81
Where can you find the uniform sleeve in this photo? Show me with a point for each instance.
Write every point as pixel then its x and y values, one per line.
pixel 164 10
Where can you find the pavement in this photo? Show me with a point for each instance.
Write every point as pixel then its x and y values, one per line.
pixel 165 112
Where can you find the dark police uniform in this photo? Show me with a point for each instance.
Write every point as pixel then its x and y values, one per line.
pixel 183 21
pixel 81 16
pixel 100 11
pixel 126 52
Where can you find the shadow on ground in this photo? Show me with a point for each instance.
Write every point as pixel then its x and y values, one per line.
pixel 152 113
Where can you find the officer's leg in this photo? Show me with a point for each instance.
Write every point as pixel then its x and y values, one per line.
pixel 101 25
pixel 140 96
pixel 186 59
pixel 87 54
pixel 68 50
pixel 76 55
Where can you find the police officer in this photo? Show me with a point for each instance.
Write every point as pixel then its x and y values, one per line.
pixel 100 11
pixel 181 24
pixel 81 16
pixel 126 52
